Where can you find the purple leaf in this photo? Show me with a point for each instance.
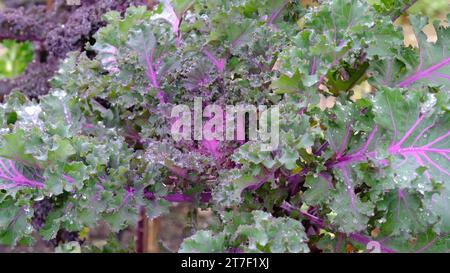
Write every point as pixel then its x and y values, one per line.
pixel 14 178
pixel 425 66
pixel 415 139
pixel 212 147
pixel 144 43
pixel 427 73
pixel 168 14
pixel 421 153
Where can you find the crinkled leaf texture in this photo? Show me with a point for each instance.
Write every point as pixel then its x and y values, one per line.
pixel 260 232
pixel 427 65
pixel 407 151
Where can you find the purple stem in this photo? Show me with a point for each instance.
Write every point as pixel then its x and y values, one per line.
pixel 403 10
pixel 320 223
pixel 365 240
pixel 277 12
pixel 359 155
pixel 218 63
pixel 257 185
pixel 205 197
pixel 130 193
pixel 295 180
pixel 420 153
pixel 151 74
pixel 344 142
pixel 424 73
pixel 10 173
pixel 151 71
pixel 313 67
pixel 69 179
pixel 289 208
pixel 430 244
pixel 327 177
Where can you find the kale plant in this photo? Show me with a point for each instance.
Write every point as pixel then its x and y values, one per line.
pixel 364 153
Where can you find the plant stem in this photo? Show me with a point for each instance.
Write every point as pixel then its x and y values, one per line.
pixel 362 239
pixel 403 10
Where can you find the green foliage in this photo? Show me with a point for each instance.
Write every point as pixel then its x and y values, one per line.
pixel 14 58
pixel 99 148
pixel 256 232
pixel 429 8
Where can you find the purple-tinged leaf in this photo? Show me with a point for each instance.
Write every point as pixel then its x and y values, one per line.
pixel 108 57
pixel 418 138
pixel 427 65
pixel 168 14
pixel 218 63
pixel 277 12
pixel 341 25
pixel 11 177
pixel 152 56
pixel 434 58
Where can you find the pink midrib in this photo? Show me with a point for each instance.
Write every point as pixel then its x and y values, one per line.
pixel 424 73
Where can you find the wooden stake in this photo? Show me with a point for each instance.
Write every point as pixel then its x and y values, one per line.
pixel 152 231
pixel 49 5
pixel 140 231
pixel 147 233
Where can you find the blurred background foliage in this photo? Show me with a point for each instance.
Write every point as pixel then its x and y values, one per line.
pixel 14 58
pixel 430 8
